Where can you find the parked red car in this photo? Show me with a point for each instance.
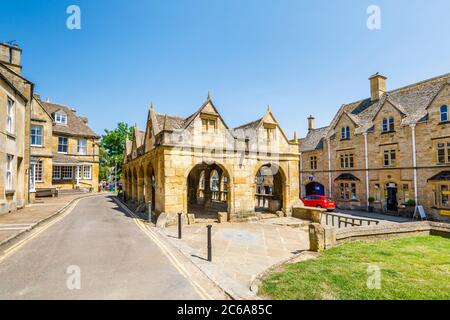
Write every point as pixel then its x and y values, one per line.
pixel 317 201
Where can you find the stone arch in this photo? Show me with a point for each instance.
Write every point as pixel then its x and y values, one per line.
pixel 213 201
pixel 134 184
pixel 150 186
pixel 270 188
pixel 316 188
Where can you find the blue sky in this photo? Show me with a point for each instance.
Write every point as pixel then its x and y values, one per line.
pixel 300 56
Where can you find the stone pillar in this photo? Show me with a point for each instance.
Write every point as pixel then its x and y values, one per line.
pixel 207 193
pixel 316 237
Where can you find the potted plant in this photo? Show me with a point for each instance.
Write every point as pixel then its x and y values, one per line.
pixel 371 201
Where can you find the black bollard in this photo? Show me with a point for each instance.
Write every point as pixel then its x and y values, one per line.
pixel 209 243
pixel 179 225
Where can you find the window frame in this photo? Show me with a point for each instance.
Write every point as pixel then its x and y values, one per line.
pixel 390 157
pixel 9 173
pixel 87 177
pixel 60 117
pixel 68 177
pixel 36 136
pixel 85 146
pixel 39 171
pixel 63 145
pixel 441 113
pixel 313 162
pixel 56 169
pixel 10 116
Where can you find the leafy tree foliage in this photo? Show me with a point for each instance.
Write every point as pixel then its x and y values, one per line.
pixel 112 147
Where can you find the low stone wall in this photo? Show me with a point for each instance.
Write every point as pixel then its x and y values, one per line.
pixel 308 213
pixel 324 237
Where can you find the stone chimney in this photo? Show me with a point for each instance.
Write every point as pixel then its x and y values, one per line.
pixel 11 56
pixel 377 86
pixel 311 123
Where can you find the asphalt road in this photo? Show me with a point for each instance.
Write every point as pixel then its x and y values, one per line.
pixel 98 249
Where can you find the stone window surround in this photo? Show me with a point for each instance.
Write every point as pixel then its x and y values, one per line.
pixel 41 135
pixel 9 172
pixel 10 115
pixel 63 145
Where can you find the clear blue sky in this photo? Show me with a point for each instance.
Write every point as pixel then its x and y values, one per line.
pixel 301 57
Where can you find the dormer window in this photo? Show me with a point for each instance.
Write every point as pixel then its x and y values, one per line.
pixel 388 125
pixel 60 118
pixel 345 133
pixel 209 125
pixel 444 113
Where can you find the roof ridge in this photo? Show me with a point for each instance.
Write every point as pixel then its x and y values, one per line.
pixel 169 115
pixel 437 78
pixel 248 123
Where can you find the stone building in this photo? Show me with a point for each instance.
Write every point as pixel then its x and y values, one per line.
pixel 197 164
pixel 15 104
pixel 393 146
pixel 42 145
pixel 64 150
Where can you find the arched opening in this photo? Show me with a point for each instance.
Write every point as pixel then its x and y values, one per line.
pixel 315 188
pixel 269 189
pixel 207 190
pixel 150 184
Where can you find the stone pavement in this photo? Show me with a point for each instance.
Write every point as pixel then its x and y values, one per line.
pixel 241 251
pixel 17 222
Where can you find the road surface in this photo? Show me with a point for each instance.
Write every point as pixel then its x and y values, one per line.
pixel 95 252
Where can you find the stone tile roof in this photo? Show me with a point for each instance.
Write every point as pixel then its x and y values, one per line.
pixel 59 158
pixel 313 140
pixel 75 124
pixel 412 101
pixel 250 125
pixel 140 135
pixel 169 122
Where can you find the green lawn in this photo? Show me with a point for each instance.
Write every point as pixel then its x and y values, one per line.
pixel 411 268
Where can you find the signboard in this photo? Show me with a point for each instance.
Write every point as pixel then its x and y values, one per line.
pixel 445 193
pixel 420 212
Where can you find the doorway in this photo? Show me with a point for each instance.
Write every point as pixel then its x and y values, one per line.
pixel 391 197
pixel 315 188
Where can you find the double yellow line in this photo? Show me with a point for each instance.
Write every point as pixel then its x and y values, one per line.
pixel 167 252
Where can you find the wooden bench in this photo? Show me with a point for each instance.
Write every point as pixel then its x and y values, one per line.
pixel 46 192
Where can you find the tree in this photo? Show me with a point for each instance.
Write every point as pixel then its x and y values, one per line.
pixel 112 148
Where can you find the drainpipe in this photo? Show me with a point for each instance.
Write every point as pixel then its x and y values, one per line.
pixel 366 157
pixel 329 168
pixel 413 133
pixel 301 175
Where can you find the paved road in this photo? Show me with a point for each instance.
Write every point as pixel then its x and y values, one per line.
pixel 116 260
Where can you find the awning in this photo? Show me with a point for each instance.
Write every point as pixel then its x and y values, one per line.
pixel 441 176
pixel 347 177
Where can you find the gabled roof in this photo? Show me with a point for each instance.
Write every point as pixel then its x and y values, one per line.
pixel 313 140
pixel 139 136
pixel 411 101
pixel 75 124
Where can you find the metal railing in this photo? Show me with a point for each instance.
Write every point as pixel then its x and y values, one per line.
pixel 337 220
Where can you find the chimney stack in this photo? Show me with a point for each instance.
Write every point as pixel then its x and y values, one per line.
pixel 311 123
pixel 11 55
pixel 377 86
